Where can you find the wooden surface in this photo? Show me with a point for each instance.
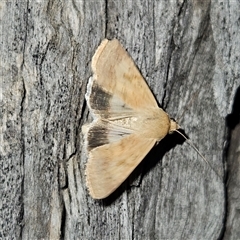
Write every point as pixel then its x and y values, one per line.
pixel 188 52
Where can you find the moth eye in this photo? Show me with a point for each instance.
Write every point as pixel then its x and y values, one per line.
pixel 173 119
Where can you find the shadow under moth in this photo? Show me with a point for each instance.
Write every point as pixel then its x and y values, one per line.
pixel 127 120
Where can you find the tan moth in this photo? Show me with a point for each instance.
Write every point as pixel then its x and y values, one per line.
pixel 127 120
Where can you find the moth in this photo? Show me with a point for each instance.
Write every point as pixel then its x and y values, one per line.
pixel 127 120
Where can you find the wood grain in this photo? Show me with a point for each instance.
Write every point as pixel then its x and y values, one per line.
pixel 188 52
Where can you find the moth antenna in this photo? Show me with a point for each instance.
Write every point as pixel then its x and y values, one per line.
pixel 195 148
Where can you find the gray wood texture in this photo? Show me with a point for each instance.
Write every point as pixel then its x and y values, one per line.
pixel 188 52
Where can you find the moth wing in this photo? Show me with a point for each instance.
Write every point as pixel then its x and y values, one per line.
pixel 116 73
pixel 110 164
pixel 103 132
pixel 104 104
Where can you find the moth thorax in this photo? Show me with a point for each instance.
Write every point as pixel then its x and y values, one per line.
pixel 173 126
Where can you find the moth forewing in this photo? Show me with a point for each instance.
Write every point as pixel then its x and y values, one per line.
pixel 110 164
pixel 115 71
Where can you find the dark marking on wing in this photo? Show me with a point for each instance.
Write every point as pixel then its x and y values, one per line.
pixel 97 136
pixel 99 99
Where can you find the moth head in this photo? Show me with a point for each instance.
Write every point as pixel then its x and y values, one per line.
pixel 173 126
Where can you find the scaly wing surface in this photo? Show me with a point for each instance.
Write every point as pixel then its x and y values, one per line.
pixel 110 164
pixel 116 79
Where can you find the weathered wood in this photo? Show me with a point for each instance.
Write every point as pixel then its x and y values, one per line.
pixel 188 52
pixel 232 230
